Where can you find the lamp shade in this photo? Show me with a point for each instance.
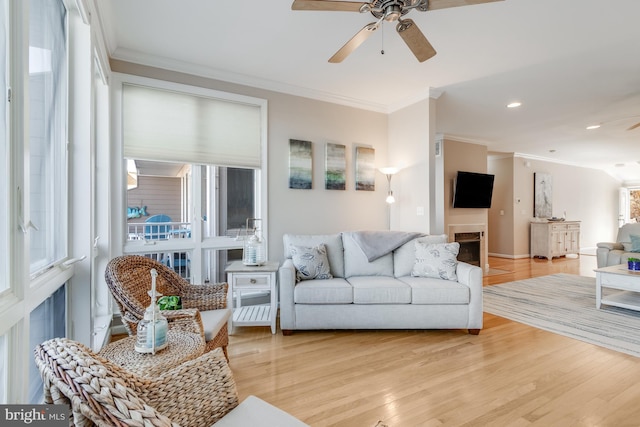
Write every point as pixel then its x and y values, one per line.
pixel 389 170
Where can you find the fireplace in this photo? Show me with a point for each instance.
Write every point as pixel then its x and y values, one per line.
pixel 472 239
pixel 469 247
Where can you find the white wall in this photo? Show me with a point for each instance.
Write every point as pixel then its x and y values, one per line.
pixel 586 195
pixel 409 149
pixel 501 214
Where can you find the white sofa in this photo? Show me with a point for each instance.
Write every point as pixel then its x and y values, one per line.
pixel 377 294
pixel 614 253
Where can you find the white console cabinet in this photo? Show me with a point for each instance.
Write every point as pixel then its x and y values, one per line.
pixel 555 238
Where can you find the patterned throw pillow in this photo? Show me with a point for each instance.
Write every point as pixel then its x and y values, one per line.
pixel 310 263
pixel 436 260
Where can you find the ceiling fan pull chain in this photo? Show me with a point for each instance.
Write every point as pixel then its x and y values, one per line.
pixel 382 42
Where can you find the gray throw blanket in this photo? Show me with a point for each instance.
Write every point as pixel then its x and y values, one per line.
pixel 375 244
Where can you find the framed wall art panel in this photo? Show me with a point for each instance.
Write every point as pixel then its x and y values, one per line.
pixel 300 164
pixel 365 169
pixel 542 193
pixel 335 167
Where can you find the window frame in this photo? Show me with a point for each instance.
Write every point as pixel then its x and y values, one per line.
pixel 197 244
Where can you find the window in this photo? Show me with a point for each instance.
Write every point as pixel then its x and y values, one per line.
pixel 37 39
pixel 629 205
pixel 5 153
pixel 634 204
pixel 47 134
pixel 195 169
pixel 160 203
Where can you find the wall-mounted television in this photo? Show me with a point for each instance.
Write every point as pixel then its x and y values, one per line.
pixel 472 190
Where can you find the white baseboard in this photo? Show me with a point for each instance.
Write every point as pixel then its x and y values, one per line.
pixel 508 256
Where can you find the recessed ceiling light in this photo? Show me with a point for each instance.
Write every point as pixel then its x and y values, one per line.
pixel 592 127
pixel 514 104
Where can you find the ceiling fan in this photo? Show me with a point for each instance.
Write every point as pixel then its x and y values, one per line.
pixel 390 11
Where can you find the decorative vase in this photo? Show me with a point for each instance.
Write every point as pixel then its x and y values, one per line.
pixel 634 265
pixel 152 329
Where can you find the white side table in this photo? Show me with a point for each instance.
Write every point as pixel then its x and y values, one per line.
pixel 243 278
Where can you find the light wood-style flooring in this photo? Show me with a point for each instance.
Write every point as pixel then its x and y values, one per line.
pixel 509 375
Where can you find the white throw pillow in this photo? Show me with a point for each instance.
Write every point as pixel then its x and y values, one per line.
pixel 310 263
pixel 436 260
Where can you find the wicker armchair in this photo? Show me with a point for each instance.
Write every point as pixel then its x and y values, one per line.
pixel 129 280
pixel 198 393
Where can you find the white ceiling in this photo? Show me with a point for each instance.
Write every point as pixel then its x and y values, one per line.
pixel 570 62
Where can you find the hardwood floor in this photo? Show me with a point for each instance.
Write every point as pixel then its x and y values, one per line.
pixel 509 375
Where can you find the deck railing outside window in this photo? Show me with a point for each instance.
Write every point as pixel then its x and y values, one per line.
pixel 158 230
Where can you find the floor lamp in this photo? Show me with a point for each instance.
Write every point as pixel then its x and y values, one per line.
pixel 389 172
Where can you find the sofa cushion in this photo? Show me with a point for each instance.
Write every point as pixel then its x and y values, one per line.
pixel 310 263
pixel 427 290
pixel 627 230
pixel 405 256
pixel 436 260
pixel 330 291
pixel 332 242
pixel 635 243
pixel 379 290
pixel 356 263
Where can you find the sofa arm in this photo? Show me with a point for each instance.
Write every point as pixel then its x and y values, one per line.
pixel 287 283
pixel 610 245
pixel 471 276
pixel 603 253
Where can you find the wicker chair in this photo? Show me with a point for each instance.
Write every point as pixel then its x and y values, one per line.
pixel 199 392
pixel 129 280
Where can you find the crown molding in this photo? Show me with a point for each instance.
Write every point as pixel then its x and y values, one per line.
pixel 140 58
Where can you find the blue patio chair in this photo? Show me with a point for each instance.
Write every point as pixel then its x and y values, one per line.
pixel 157 232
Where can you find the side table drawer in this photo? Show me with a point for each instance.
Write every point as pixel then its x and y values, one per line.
pixel 253 281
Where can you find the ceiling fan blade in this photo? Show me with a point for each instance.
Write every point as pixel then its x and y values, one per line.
pixel 355 41
pixel 443 4
pixel 414 38
pixel 637 125
pixel 340 6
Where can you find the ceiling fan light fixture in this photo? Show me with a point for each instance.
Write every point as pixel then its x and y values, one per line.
pixel 392 13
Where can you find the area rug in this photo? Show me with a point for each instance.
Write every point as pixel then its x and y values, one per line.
pixel 566 304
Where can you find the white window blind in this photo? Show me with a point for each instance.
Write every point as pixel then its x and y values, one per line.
pixel 165 125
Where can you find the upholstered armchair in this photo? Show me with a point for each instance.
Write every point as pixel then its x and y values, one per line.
pixel 200 392
pixel 129 279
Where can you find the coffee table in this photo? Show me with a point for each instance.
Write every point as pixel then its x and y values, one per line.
pixel 618 277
